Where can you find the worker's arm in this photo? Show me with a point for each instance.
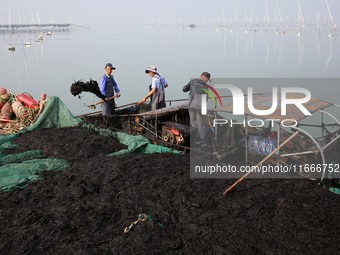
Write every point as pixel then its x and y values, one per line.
pixel 152 91
pixel 186 88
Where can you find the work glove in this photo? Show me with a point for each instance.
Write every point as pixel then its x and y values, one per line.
pixel 118 94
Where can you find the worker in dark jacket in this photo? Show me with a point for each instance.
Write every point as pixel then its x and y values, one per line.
pixel 107 87
pixel 195 88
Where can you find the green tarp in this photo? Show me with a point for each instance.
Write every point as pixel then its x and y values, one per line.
pixel 18 169
pixel 19 174
pixel 137 143
pixel 335 190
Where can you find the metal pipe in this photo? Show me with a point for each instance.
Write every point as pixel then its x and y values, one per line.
pixel 278 136
pixel 322 128
pixel 297 153
pixel 317 145
pixel 129 124
pixel 156 125
pixel 328 144
pixel 246 141
pixel 322 111
pixel 147 123
pixel 146 128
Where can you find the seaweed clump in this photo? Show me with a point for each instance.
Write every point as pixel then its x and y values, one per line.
pixel 91 86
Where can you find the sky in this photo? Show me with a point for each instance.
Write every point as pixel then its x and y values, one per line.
pixel 144 12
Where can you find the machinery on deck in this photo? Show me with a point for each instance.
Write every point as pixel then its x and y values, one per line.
pixel 170 125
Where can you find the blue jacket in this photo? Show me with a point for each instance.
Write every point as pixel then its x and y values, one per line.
pixel 102 86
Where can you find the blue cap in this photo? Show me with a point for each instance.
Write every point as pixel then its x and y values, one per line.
pixel 109 65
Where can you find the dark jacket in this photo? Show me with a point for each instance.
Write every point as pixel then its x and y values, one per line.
pixel 195 88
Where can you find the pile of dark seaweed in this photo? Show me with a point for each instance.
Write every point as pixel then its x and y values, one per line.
pixel 85 208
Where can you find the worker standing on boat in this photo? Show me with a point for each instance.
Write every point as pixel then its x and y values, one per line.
pixel 107 87
pixel 195 88
pixel 158 85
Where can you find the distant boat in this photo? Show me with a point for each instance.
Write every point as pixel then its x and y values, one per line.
pixel 10 47
pixel 192 26
pixel 49 33
pixel 331 35
pixel 27 44
pixel 39 39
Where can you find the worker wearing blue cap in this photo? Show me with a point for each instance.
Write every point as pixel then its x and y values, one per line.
pixel 107 87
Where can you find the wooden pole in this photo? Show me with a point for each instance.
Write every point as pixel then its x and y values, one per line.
pixel 261 162
pixel 93 106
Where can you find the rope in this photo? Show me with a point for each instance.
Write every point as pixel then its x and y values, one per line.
pixel 142 217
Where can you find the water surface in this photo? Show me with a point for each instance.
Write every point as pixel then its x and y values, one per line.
pixel 179 53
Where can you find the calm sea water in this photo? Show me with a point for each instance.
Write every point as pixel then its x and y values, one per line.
pixel 180 54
